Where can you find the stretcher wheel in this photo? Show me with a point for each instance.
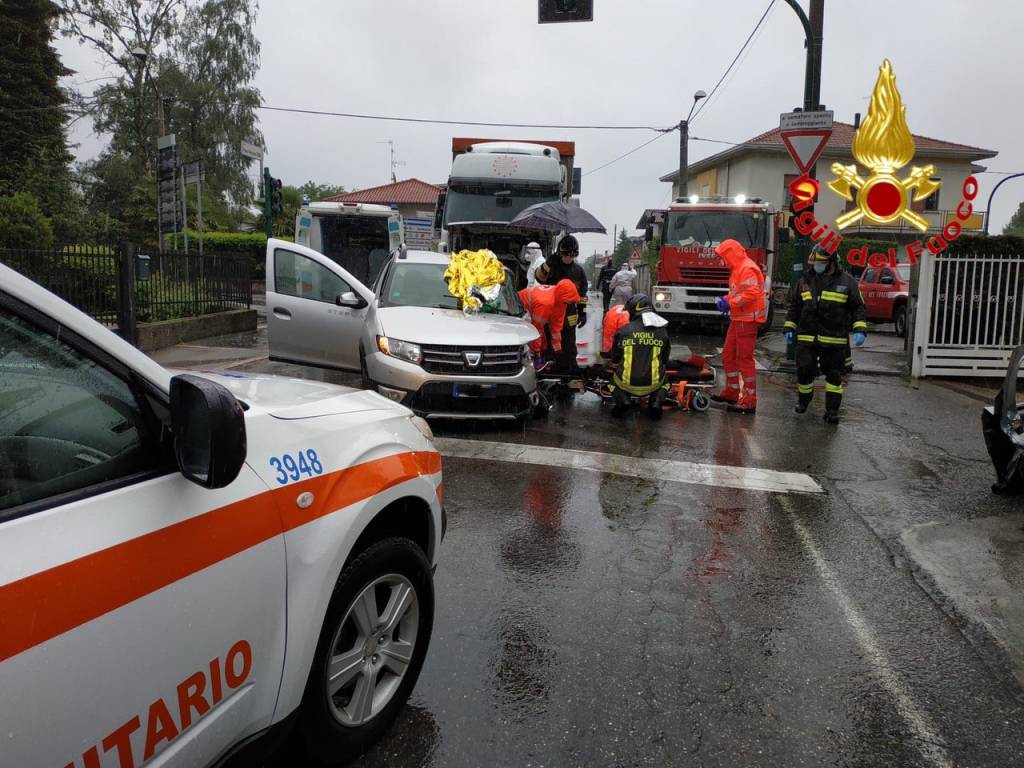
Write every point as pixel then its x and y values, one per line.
pixel 700 401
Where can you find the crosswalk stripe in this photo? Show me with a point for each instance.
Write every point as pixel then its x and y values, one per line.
pixel 718 475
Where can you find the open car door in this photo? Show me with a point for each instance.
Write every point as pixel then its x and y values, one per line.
pixel 1003 427
pixel 315 309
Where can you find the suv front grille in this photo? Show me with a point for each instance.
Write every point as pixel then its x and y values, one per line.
pixel 452 360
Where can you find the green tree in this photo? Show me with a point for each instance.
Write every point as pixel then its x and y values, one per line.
pixel 34 156
pixel 180 67
pixel 22 223
pixel 315 191
pixel 623 248
pixel 1016 225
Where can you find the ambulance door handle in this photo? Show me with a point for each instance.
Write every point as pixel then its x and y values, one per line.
pixel 284 314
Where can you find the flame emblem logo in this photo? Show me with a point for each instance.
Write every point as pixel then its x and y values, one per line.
pixel 883 144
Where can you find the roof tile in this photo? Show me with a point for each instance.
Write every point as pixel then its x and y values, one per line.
pixel 407 191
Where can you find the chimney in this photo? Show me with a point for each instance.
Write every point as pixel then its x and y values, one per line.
pixel 856 121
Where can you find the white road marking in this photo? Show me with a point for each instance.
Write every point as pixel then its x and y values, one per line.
pixel 928 741
pixel 744 478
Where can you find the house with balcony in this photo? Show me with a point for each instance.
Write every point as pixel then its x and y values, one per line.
pixel 762 168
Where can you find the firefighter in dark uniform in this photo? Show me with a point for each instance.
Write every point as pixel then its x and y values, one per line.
pixel 562 266
pixel 823 309
pixel 640 352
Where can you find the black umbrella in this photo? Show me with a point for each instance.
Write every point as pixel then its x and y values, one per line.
pixel 557 217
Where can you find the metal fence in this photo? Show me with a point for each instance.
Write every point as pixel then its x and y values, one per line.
pixel 106 283
pixel 186 284
pixel 969 314
pixel 86 277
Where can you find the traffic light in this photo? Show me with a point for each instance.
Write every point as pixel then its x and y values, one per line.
pixel 804 189
pixel 554 11
pixel 278 198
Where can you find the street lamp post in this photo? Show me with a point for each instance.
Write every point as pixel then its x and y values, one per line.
pixel 684 140
pixel 988 208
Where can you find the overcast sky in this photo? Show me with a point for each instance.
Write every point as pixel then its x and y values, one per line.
pixel 958 67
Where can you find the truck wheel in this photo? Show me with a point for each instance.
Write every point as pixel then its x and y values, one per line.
pixel 899 319
pixel 371 649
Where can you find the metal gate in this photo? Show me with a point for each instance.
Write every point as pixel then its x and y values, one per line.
pixel 969 314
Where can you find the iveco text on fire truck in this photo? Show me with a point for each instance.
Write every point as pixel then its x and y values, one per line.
pixel 690 275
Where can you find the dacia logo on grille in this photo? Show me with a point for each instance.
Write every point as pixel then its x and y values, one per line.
pixel 473 358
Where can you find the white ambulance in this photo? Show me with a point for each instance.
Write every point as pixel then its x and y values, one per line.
pixel 191 563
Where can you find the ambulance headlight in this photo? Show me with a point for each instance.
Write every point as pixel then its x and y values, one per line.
pixel 403 350
pixel 421 424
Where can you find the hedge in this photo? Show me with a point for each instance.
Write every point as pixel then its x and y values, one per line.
pixel 251 244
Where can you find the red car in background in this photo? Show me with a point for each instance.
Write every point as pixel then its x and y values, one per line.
pixel 885 292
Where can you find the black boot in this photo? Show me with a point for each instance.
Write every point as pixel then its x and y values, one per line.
pixel 802 406
pixel 831 417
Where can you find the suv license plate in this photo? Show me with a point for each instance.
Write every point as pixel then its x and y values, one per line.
pixel 472 390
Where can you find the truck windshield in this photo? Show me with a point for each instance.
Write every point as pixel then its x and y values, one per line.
pixel 710 228
pixel 493 202
pixel 358 244
pixel 423 285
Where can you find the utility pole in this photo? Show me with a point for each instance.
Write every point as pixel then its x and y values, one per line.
pixel 684 141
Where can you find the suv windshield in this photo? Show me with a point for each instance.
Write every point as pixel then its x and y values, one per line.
pixel 358 244
pixel 710 228
pixel 493 202
pixel 423 285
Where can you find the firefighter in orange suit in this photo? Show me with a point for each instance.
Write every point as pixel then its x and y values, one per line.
pixel 747 311
pixel 546 305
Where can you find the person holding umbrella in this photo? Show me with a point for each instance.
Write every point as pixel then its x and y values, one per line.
pixel 564 267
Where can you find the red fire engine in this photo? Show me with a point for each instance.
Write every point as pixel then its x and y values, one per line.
pixel 690 276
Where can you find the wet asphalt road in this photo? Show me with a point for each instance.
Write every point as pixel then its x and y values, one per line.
pixel 589 619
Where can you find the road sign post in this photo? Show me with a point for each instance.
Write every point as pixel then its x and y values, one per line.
pixel 804 135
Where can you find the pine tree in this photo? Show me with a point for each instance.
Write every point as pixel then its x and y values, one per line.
pixel 33 144
pixel 1016 225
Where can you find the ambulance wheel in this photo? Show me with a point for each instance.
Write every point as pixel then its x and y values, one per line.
pixel 700 402
pixel 371 649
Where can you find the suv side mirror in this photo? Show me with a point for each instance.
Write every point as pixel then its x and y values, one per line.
pixel 887 280
pixel 350 299
pixel 209 431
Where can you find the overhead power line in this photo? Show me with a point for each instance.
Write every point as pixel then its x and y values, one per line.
pixel 635 149
pixel 736 58
pixel 436 121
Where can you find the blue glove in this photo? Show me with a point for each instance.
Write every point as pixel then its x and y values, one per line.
pixel 789 337
pixel 859 339
pixel 722 304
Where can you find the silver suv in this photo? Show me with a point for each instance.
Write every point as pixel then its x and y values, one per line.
pixel 406 336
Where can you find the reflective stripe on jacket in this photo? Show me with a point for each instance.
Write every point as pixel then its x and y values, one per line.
pixel 641 353
pixel 824 308
pixel 746 284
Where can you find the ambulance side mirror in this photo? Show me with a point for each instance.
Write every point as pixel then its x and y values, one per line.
pixel 209 431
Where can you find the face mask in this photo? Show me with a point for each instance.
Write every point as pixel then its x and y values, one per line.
pixel 820 267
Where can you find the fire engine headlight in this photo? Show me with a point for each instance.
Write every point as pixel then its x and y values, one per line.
pixel 741 199
pixel 662 297
pixel 694 199
pixel 403 350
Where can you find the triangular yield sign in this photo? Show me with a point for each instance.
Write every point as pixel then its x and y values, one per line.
pixel 805 146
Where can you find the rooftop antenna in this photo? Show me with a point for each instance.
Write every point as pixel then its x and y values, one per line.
pixel 394 161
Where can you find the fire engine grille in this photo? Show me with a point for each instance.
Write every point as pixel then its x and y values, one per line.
pixel 706 275
pixel 452 360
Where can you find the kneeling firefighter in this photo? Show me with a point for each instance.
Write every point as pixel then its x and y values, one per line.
pixel 563 266
pixel 824 307
pixel 640 351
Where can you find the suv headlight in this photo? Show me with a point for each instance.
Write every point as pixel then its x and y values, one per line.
pixel 527 355
pixel 403 350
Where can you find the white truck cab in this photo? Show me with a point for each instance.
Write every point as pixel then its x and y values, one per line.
pixel 357 236
pixel 190 562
